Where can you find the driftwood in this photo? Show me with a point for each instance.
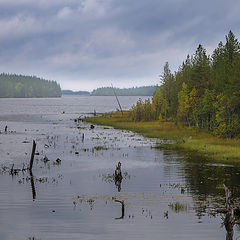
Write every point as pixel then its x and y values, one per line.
pixel 117 99
pixel 123 209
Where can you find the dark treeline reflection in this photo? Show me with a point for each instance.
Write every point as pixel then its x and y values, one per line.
pixel 205 181
pixel 214 188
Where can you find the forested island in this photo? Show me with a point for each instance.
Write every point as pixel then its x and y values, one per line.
pixel 134 91
pixel 70 92
pixel 20 86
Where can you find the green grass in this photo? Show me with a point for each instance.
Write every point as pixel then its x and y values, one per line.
pixel 178 207
pixel 187 139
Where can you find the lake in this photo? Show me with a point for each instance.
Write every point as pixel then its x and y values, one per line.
pixel 165 194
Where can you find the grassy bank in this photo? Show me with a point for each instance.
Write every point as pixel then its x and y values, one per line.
pixel 187 139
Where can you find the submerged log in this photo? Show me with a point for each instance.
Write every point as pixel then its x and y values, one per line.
pixel 123 209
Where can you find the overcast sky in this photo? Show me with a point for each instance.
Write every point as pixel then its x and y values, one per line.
pixel 85 44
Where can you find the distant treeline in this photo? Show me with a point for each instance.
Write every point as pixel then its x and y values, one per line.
pixel 134 91
pixel 204 92
pixel 70 92
pixel 13 86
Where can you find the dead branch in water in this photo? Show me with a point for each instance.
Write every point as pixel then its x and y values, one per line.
pixel 32 155
pixel 229 220
pixel 123 208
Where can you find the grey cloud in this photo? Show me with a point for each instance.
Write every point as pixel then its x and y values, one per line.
pixel 94 40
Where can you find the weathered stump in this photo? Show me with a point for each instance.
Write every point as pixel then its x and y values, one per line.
pixel 118 176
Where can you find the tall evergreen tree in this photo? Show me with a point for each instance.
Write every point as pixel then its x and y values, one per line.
pixel 200 75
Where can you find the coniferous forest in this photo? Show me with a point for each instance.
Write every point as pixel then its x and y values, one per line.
pixel 70 92
pixel 204 92
pixel 134 91
pixel 12 85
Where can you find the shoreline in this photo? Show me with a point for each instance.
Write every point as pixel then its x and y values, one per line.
pixel 188 140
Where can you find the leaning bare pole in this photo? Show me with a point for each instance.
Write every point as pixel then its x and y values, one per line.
pixel 117 99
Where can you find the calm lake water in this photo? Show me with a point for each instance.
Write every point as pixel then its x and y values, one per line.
pixel 167 195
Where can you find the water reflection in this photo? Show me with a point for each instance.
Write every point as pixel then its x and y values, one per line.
pixel 207 184
pixel 231 214
pixel 32 185
pixel 123 209
pixel 160 188
pixel 118 184
pixel 118 176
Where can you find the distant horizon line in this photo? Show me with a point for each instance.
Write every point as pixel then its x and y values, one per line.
pixel 109 87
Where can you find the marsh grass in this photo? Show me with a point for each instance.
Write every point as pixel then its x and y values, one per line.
pixel 187 139
pixel 100 148
pixel 178 207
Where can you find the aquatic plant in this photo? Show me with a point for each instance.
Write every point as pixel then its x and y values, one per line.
pixel 178 207
pixel 100 148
